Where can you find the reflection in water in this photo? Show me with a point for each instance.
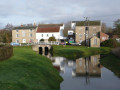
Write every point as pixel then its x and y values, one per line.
pixel 84 74
pixel 87 67
pixel 83 67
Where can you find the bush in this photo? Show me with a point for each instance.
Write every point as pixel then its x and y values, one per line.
pixel 110 43
pixel 6 52
pixel 42 40
pixel 52 39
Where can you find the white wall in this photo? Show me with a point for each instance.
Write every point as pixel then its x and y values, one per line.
pixel 73 25
pixel 57 35
pixel 70 32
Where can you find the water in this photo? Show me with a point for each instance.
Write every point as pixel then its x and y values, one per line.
pixel 85 74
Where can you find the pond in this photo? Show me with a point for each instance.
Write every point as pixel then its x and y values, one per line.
pixel 84 74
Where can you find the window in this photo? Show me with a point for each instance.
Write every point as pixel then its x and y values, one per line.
pixel 31 41
pixel 95 41
pixel 86 28
pixel 47 35
pixel 31 35
pixel 17 41
pixel 81 41
pixel 16 30
pixel 52 35
pixel 80 35
pixel 94 34
pixel 86 35
pixel 42 35
pixel 94 28
pixel 71 38
pixel 23 31
pixel 17 35
pixel 23 34
pixel 30 30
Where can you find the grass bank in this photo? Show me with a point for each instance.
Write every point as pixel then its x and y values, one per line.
pixel 73 52
pixel 27 70
pixel 112 62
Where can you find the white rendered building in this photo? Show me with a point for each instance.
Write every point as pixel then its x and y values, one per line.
pixel 46 31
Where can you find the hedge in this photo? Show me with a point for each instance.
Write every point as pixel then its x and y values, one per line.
pixel 6 52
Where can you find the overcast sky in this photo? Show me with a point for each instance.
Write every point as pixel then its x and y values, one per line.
pixel 18 12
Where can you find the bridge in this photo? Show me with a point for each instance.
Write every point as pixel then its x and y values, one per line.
pixel 43 46
pixel 38 47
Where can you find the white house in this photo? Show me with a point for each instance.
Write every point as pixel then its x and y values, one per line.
pixel 46 31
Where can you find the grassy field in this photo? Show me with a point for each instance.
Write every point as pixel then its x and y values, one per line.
pixel 27 70
pixel 73 52
pixel 111 62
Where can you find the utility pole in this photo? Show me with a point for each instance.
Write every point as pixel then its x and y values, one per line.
pixel 86 29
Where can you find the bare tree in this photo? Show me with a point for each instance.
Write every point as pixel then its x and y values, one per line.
pixel 9 27
pixel 67 27
pixel 104 28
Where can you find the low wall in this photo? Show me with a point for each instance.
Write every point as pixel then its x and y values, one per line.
pixel 6 52
pixel 116 51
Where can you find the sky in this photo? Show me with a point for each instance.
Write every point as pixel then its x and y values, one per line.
pixel 17 12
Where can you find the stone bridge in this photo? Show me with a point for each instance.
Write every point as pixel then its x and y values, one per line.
pixel 41 48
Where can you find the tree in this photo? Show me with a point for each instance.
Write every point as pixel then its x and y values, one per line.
pixel 52 39
pixel 66 28
pixel 109 30
pixel 9 27
pixel 117 26
pixel 103 28
pixel 42 40
pixel 5 36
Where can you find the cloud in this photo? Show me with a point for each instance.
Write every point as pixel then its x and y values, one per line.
pixel 58 10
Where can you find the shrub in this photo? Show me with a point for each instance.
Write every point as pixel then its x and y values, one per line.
pixel 110 43
pixel 6 52
pixel 42 40
pixel 52 39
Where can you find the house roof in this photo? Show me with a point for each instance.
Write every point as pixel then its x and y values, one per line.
pixel 25 27
pixel 50 25
pixel 91 23
pixel 101 33
pixel 115 36
pixel 47 29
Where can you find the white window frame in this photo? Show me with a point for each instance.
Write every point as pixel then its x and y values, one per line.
pixel 17 30
pixel 31 35
pixel 31 30
pixel 95 41
pixel 17 35
pixel 23 34
pixel 80 35
pixel 17 41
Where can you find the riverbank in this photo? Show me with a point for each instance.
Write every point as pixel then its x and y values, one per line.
pixel 73 52
pixel 27 70
pixel 116 51
pixel 111 62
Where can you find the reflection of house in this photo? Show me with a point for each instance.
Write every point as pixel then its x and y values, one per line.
pixel 24 34
pixel 88 66
pixel 103 37
pixel 44 31
pixel 71 36
pixel 83 33
pixel 58 62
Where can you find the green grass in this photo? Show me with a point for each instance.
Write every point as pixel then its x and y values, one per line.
pixel 112 62
pixel 73 52
pixel 27 70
